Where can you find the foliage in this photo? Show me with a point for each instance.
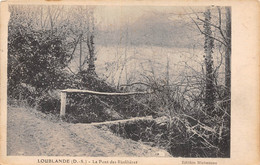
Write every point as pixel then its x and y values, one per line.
pixel 48 104
pixel 36 58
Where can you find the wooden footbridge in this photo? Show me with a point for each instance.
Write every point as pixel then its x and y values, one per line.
pixel 64 95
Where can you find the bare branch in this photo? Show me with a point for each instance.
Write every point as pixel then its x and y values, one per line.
pixel 205 33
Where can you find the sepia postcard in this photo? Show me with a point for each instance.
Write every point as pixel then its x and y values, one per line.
pixel 141 82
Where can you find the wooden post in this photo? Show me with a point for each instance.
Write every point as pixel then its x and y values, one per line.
pixel 63 103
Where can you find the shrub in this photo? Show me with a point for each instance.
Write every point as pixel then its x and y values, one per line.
pixel 48 104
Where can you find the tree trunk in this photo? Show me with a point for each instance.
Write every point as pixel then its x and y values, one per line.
pixel 80 54
pixel 228 54
pixel 91 62
pixel 208 48
pixel 91 47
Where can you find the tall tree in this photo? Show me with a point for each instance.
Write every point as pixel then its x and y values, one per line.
pixel 228 54
pixel 208 48
pixel 90 44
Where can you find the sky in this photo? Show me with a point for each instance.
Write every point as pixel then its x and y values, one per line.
pixel 146 25
pixel 120 15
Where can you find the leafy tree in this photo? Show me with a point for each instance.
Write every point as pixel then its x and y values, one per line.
pixel 35 58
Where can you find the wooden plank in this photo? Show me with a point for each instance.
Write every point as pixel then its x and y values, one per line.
pixel 63 104
pixel 120 121
pixel 102 93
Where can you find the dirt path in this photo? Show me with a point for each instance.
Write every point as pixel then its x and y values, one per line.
pixel 31 133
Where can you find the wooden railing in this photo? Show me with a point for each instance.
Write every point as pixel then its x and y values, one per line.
pixel 64 96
